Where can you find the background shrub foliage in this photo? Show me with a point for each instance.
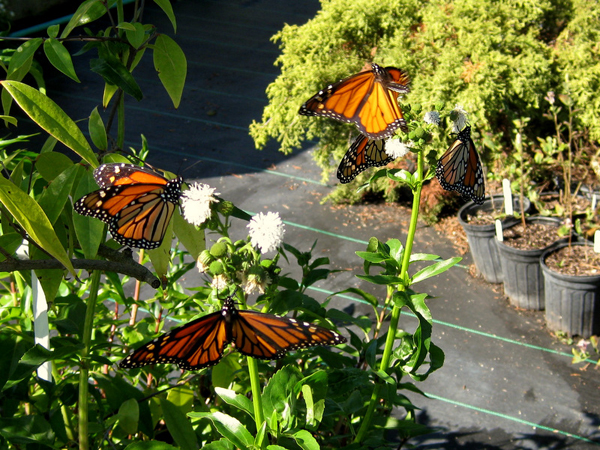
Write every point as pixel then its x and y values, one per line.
pixel 498 59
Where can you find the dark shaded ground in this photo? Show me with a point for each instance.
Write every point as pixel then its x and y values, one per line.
pixel 506 383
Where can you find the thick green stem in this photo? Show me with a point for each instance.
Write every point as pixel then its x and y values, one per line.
pixel 84 365
pixel 395 316
pixel 256 393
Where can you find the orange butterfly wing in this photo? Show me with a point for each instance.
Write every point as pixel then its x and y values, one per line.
pixel 459 168
pixel 266 336
pixel 195 345
pixel 363 153
pixel 367 99
pixel 136 203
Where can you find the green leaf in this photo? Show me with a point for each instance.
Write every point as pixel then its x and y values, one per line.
pixel 150 445
pixel 55 196
pixel 60 58
pixel 87 12
pixel 33 220
pixel 165 5
pixel 22 58
pixel 239 401
pixel 114 72
pixel 51 118
pixel 161 256
pixel 52 30
pixel 136 35
pixel 50 165
pixel 97 130
pixel 435 269
pixel 126 26
pixel 9 119
pixel 89 231
pixel 10 242
pixel 182 397
pixel 171 65
pixel 228 427
pixel 306 441
pixel 380 279
pixel 179 426
pixel 129 416
pixel 190 237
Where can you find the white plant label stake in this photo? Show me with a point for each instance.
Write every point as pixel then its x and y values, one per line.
pixel 499 235
pixel 508 202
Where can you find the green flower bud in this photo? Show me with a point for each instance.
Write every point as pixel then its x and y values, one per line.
pixel 216 268
pixel 218 250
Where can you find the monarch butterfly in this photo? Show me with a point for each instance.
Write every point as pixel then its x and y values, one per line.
pixel 363 153
pixel 367 99
pixel 135 202
pixel 459 169
pixel 201 343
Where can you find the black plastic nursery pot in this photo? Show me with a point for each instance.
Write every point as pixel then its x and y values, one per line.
pixel 572 302
pixel 522 272
pixel 481 238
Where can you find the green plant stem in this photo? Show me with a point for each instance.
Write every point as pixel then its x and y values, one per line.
pixel 63 409
pixel 84 365
pixel 395 316
pixel 256 392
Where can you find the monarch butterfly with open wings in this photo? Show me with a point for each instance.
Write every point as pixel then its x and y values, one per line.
pixel 363 153
pixel 135 202
pixel 201 342
pixel 367 99
pixel 459 168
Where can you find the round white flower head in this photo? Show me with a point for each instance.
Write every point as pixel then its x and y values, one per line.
pixel 219 282
pixel 461 119
pixel 196 201
pixel 432 117
pixel 266 231
pixel 395 148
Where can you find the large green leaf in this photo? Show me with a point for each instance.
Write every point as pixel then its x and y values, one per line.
pixel 179 426
pixel 165 5
pixel 129 416
pixel 229 427
pixel 150 445
pixel 51 118
pixel 52 164
pixel 89 231
pixel 60 58
pixel 192 239
pixel 87 12
pixel 97 130
pixel 171 65
pixel 21 59
pixel 31 217
pixel 114 72
pixel 55 196
pixel 306 441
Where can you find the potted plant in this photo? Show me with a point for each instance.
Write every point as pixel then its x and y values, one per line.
pixel 520 251
pixel 572 288
pixel 478 223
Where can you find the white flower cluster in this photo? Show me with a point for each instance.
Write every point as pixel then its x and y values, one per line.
pixel 196 201
pixel 266 231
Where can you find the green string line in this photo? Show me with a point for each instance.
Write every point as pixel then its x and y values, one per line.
pixel 459 327
pixel 513 419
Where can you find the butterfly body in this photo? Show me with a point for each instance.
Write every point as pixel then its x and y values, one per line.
pixel 460 168
pixel 201 342
pixel 368 99
pixel 363 153
pixel 136 203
